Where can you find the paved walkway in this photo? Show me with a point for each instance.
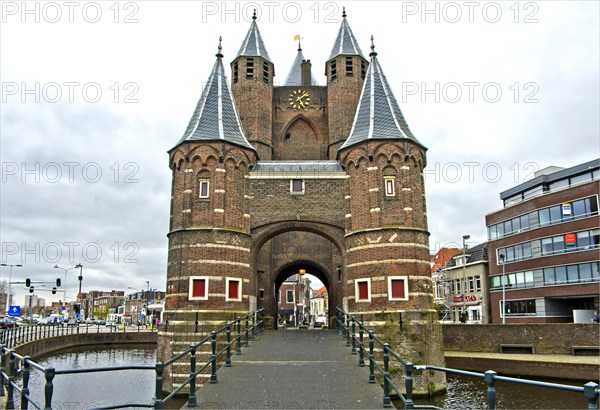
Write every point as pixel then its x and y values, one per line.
pixel 293 369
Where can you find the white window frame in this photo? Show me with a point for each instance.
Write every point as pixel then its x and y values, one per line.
pixel 200 182
pixel 405 279
pixel 292 187
pixel 389 181
pixel 287 292
pixel 239 298
pixel 356 291
pixel 191 288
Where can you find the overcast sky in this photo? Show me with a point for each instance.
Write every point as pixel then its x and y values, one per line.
pixel 95 93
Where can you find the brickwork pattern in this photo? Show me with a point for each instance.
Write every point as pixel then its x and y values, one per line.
pixel 343 94
pixel 254 101
pixel 308 127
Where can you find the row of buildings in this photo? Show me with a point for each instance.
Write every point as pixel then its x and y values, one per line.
pixel 541 261
pixel 298 304
pixel 138 307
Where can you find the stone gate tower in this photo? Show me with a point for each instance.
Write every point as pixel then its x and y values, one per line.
pixel 270 179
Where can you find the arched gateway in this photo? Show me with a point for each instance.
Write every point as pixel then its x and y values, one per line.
pixel 269 179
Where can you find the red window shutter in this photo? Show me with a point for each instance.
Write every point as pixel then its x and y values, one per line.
pixel 398 289
pixel 363 290
pixel 199 288
pixel 233 291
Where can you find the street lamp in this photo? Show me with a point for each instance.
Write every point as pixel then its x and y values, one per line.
pixel 503 290
pixel 9 291
pixel 65 283
pixel 464 287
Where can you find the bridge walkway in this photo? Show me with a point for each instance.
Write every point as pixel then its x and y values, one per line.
pixel 293 369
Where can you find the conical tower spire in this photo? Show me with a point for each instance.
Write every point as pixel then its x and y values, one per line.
pixel 215 117
pixel 295 75
pixel 378 116
pixel 345 42
pixel 253 45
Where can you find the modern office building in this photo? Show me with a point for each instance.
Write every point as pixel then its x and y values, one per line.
pixel 544 243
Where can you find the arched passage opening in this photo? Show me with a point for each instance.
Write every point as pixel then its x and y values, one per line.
pixel 281 250
pixel 293 292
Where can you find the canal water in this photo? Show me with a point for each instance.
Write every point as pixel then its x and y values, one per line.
pixel 103 389
pixel 471 393
pixel 137 386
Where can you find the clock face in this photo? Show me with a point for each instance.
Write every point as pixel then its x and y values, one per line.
pixel 299 99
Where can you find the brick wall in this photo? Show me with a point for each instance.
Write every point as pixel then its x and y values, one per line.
pixel 550 338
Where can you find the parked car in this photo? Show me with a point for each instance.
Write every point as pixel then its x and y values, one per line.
pixel 110 323
pixel 71 322
pixel 320 322
pixel 6 323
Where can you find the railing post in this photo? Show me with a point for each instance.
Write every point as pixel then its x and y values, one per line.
pixel 238 350
pixel 387 403
pixel 408 369
pixel 371 358
pixel 246 333
pixel 192 396
pixel 361 345
pixel 2 368
pixel 159 369
pixel 589 390
pixel 49 388
pixel 213 371
pixel 347 330
pixel 490 379
pixel 228 358
pixel 253 325
pixel 25 386
pixel 353 335
pixel 10 404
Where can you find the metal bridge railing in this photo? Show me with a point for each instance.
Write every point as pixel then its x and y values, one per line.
pixel 347 329
pixel 16 336
pixel 10 361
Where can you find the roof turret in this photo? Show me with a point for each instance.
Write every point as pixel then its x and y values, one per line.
pixel 215 117
pixel 378 116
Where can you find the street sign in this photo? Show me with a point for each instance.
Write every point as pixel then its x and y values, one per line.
pixel 14 311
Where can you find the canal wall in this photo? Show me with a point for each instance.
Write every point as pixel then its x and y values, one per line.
pixel 557 350
pixel 42 347
pixel 544 338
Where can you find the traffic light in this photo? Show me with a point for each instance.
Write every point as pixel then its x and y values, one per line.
pixel 30 288
pixel 28 282
pixel 58 282
pixel 54 290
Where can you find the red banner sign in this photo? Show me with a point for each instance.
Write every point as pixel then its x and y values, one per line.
pixel 570 239
pixel 468 298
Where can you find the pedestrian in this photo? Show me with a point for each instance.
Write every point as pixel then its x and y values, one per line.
pixel 596 317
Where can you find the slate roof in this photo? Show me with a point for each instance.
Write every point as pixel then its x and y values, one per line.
pixel 378 116
pixel 298 166
pixel 215 117
pixel 345 42
pixel 295 75
pixel 253 45
pixel 478 253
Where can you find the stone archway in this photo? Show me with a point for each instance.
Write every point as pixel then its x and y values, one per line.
pixel 281 248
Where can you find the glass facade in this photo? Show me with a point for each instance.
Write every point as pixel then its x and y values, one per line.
pixel 568 211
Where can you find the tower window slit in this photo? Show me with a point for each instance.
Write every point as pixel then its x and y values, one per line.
pixel 349 68
pixel 249 68
pixel 266 72
pixel 333 70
